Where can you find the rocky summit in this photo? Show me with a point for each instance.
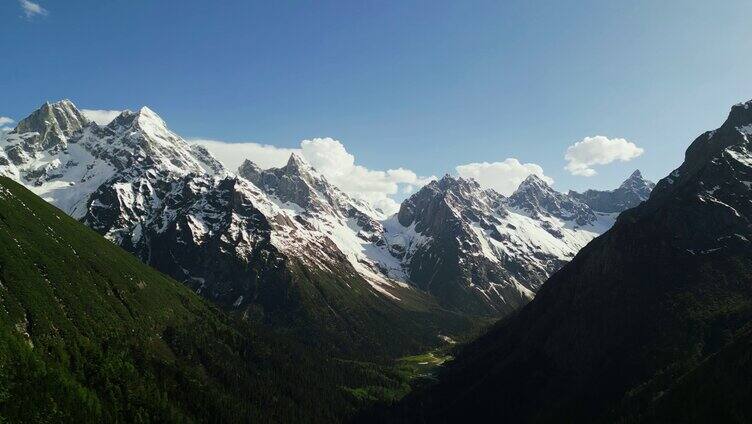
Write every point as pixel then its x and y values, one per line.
pixel 631 193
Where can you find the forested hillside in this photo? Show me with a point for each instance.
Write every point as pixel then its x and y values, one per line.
pixel 90 334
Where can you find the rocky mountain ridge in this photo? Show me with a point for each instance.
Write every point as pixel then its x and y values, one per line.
pixel 279 244
pixel 633 191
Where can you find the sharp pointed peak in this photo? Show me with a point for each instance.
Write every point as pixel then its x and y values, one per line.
pixel 296 162
pixel 144 117
pixel 61 102
pixel 449 182
pixel 64 104
pixel 636 180
pixel 295 157
pixel 533 185
pixel 534 180
pixel 61 114
pixel 636 174
pixel 147 111
pixel 249 170
pixel 248 165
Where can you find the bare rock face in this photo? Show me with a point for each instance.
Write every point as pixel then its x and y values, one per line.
pixel 52 124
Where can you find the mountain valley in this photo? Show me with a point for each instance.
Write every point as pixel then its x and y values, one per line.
pixel 286 248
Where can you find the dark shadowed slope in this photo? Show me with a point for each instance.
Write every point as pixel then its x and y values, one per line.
pixel 643 323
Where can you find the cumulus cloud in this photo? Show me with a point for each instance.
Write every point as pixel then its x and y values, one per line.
pixel 329 157
pixel 100 116
pixel 503 177
pixel 32 9
pixel 598 150
pixel 232 154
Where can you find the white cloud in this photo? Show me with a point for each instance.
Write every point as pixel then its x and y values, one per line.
pixel 503 177
pixel 232 155
pixel 4 120
pixel 598 150
pixel 330 158
pixel 101 117
pixel 32 9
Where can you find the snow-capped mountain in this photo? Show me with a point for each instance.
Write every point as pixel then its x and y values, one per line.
pixel 633 191
pixel 281 244
pixel 484 253
pixel 297 267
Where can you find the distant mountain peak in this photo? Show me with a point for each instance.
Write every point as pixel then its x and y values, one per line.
pixel 147 114
pixel 637 182
pixel 451 183
pixel 248 167
pixel 62 114
pixel 145 118
pixel 297 163
pixel 636 174
pixel 535 196
pixel 634 190
pixel 53 124
pixel 533 181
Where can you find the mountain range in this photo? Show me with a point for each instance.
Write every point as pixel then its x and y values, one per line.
pixel 286 248
pixel 650 322
pixel 630 305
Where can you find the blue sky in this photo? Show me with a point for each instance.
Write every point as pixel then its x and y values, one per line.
pixel 422 85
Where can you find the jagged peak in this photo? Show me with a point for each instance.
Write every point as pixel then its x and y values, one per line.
pixel 533 182
pixel 124 119
pixel 449 176
pixel 449 182
pixel 535 179
pixel 64 103
pixel 247 163
pixel 61 117
pixel 636 175
pixel 148 114
pixel 636 180
pixel 145 118
pixel 298 166
pixel 741 114
pixel 297 161
pixel 248 169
